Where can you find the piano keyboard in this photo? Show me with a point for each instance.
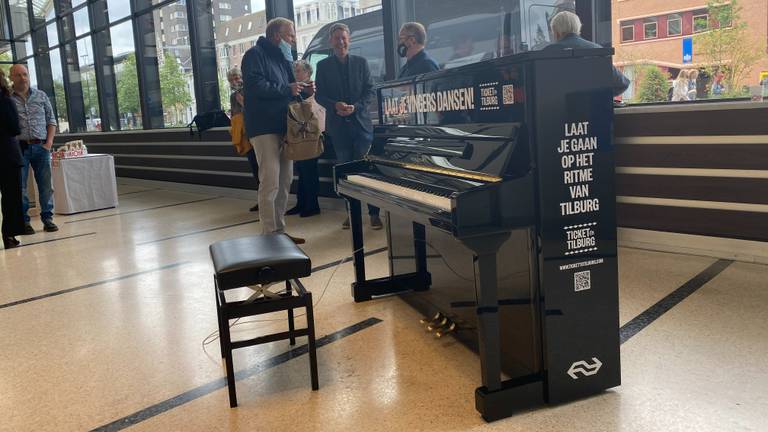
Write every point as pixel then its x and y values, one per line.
pixel 410 193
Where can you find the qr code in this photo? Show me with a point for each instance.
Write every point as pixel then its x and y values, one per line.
pixel 582 280
pixel 508 94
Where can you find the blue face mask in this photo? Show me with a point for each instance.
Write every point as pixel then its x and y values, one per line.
pixel 285 47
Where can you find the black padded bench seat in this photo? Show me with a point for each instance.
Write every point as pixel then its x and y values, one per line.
pixel 258 260
pixel 261 260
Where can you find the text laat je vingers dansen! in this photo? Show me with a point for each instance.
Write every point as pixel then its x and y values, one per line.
pixel 577 152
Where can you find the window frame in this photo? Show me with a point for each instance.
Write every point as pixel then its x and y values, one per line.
pixel 621 31
pixel 693 22
pixel 656 30
pixel 679 19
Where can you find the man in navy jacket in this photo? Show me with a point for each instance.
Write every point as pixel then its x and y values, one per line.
pixel 412 39
pixel 566 27
pixel 344 89
pixel 268 87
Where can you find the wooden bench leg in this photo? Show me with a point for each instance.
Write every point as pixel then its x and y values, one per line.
pixel 291 325
pixel 312 345
pixel 220 319
pixel 227 347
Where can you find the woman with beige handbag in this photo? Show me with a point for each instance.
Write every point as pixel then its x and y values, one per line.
pixel 306 191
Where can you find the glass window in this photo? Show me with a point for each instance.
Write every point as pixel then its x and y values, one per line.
pixel 118 9
pixel 126 77
pixel 58 91
pixel 700 23
pixel 674 25
pixel 19 16
pixel 235 36
pixel 650 29
pixel 42 11
pixel 175 68
pixel 628 33
pixel 32 72
pixel 53 34
pixel 82 26
pixel 88 83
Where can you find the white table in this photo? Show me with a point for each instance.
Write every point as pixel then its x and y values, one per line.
pixel 84 183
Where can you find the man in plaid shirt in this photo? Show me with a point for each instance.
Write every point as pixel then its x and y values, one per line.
pixel 38 127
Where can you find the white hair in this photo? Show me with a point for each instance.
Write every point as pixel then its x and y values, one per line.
pixel 235 71
pixel 565 22
pixel 275 25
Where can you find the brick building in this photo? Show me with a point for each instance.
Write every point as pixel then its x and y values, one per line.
pixel 653 31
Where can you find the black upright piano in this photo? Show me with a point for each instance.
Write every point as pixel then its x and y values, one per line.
pixel 497 183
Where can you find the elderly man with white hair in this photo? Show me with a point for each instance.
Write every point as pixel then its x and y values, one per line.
pixel 566 27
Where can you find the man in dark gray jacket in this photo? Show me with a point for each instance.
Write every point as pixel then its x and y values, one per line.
pixel 268 87
pixel 344 89
pixel 566 27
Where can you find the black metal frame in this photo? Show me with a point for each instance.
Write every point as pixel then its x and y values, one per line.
pixel 287 301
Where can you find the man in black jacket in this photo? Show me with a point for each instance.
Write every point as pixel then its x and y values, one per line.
pixel 344 89
pixel 566 27
pixel 411 41
pixel 268 87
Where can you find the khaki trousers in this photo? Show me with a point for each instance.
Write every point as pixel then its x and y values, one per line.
pixel 275 177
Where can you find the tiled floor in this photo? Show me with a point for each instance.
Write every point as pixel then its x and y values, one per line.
pixel 109 321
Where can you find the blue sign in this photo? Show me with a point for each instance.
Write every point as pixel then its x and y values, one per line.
pixel 687 50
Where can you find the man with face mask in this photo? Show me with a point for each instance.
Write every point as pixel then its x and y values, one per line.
pixel 412 39
pixel 344 89
pixel 268 86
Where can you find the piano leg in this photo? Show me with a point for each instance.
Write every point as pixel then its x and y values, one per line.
pixel 420 251
pixel 496 399
pixel 356 225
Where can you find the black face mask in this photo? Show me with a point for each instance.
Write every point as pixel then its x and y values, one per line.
pixel 402 50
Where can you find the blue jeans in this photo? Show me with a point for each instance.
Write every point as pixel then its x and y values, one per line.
pixel 352 143
pixel 40 160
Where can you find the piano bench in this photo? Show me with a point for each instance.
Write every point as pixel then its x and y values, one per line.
pixel 261 260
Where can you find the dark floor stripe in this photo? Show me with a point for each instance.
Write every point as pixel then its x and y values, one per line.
pixel 198 232
pixel 220 383
pixel 663 306
pixel 56 239
pixel 349 258
pixel 142 210
pixel 135 192
pixel 90 285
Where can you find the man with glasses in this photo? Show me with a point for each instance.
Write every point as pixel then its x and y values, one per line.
pixel 412 39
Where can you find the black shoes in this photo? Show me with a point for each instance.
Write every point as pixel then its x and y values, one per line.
pixel 10 242
pixel 309 213
pixel 28 230
pixel 293 211
pixel 254 208
pixel 49 226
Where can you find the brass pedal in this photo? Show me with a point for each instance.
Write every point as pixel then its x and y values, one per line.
pixel 436 326
pixel 445 330
pixel 435 319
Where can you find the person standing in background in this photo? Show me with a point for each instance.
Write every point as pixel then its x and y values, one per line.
pixel 344 89
pixel 235 78
pixel 309 180
pixel 680 87
pixel 412 39
pixel 693 75
pixel 11 162
pixel 269 86
pixel 38 127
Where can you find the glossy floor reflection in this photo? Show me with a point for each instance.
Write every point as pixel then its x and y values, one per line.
pixel 108 319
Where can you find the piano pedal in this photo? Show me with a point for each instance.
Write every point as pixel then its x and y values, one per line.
pixel 437 318
pixel 445 330
pixel 436 326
